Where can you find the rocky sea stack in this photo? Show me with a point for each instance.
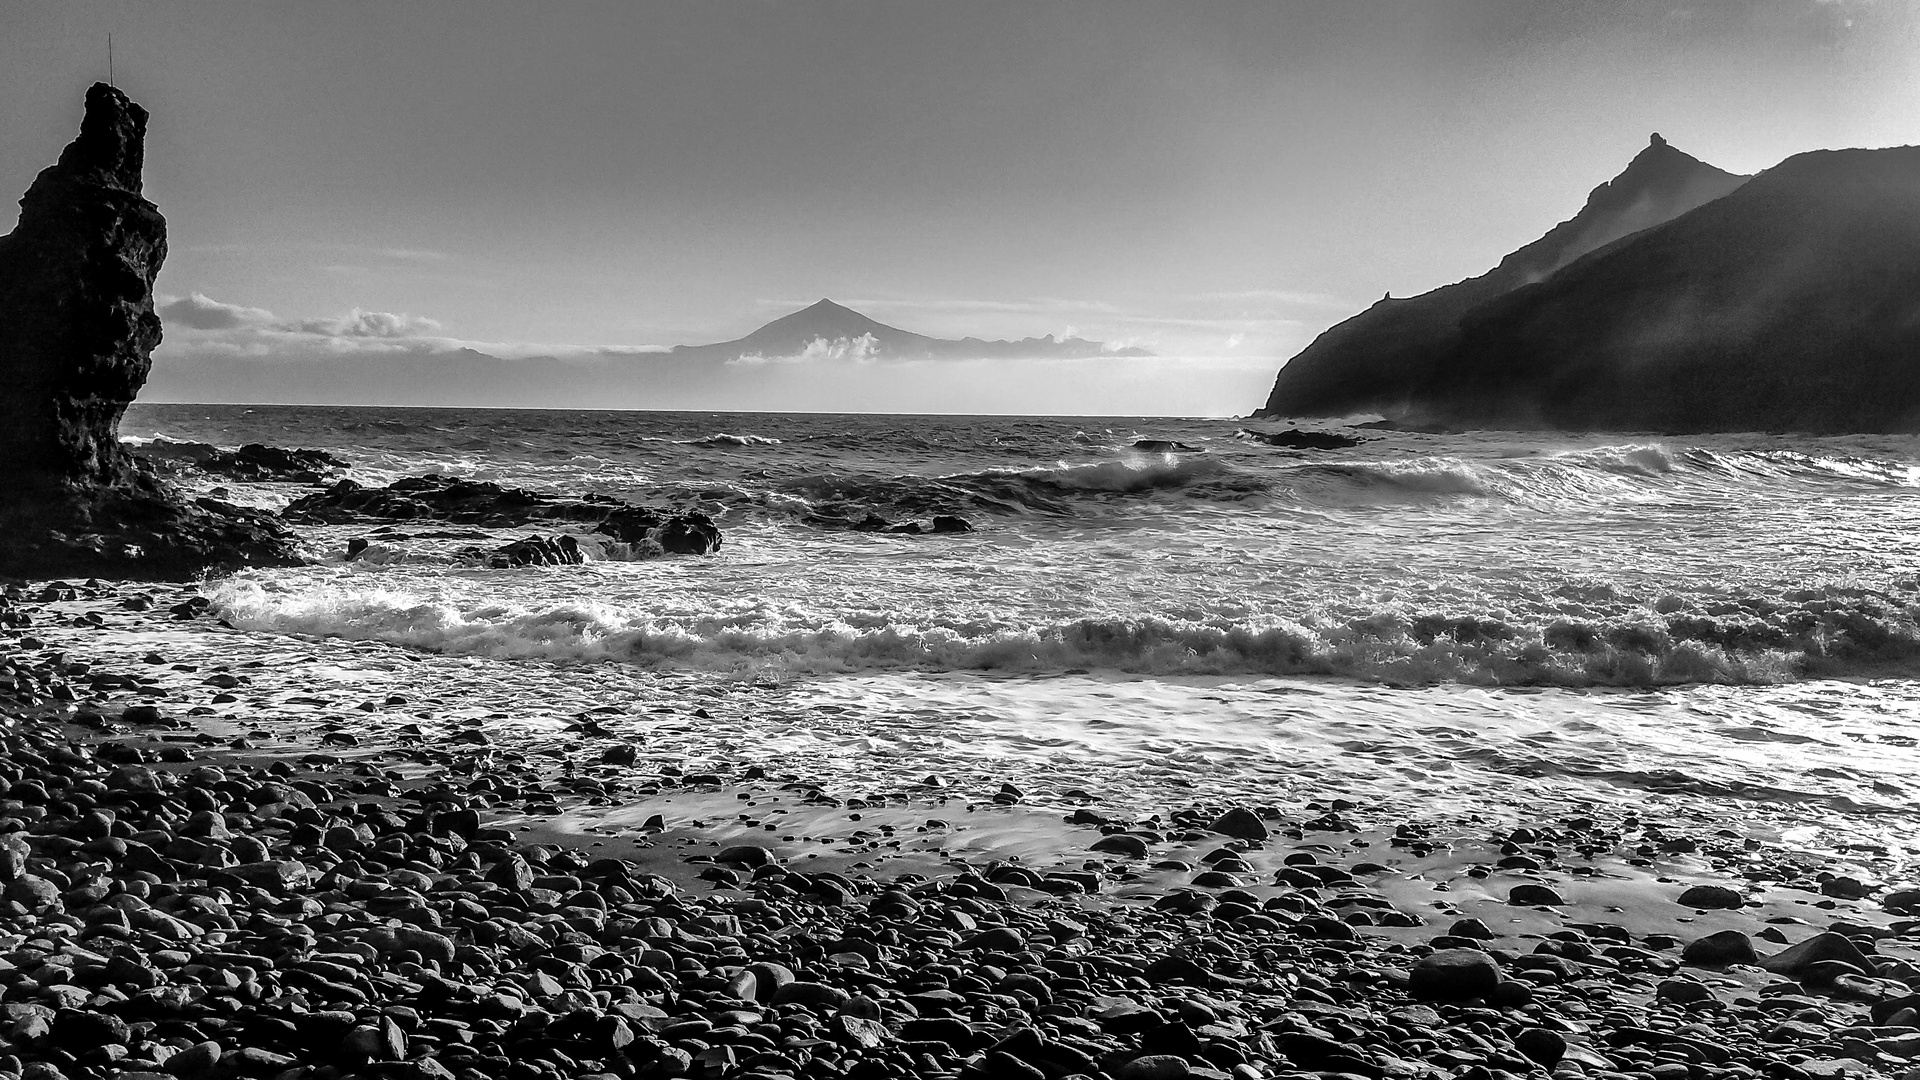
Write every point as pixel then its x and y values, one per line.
pixel 77 333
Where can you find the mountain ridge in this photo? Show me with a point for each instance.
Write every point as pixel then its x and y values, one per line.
pixel 1374 361
pixel 1790 304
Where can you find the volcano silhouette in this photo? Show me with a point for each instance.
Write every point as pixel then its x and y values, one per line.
pixel 828 330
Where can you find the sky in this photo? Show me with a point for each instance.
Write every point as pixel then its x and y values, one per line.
pixel 477 203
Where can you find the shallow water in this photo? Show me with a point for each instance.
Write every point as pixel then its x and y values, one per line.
pixel 1488 623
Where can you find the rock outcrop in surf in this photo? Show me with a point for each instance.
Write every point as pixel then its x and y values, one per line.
pixel 489 505
pixel 77 331
pixel 1375 361
pixel 253 463
pixel 1792 304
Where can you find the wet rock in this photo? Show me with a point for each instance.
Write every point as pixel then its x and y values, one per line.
pixel 471 502
pixel 1797 960
pixel 1712 898
pixel 1847 888
pixel 1530 895
pixel 1241 823
pixel 749 855
pixel 1453 975
pixel 1719 950
pixel 251 463
pixel 1122 844
pixel 1541 1046
pixel 1682 991
pixel 1296 439
pixel 561 550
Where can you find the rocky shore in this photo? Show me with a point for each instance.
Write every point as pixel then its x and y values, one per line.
pixel 198 884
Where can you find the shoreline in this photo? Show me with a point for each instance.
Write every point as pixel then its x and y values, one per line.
pixel 999 943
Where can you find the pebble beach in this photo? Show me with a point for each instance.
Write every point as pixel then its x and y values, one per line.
pixel 213 869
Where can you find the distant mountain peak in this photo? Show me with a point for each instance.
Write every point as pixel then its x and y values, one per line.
pixel 826 321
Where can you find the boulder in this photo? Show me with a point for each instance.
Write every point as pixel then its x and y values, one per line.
pixel 77 333
pixel 1454 975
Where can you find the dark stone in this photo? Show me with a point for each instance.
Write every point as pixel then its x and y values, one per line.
pixel 1797 960
pixel 1122 844
pixel 1454 975
pixel 1296 439
pixel 1541 1046
pixel 1241 823
pixel 77 332
pixel 1719 950
pixel 78 1031
pixel 561 550
pixel 1531 895
pixel 1713 898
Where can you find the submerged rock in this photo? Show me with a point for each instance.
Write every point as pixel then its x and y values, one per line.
pixel 77 332
pixel 1297 439
pixel 562 550
pixel 472 502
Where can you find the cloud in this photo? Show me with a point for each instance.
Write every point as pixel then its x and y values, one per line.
pixel 861 350
pixel 202 312
pixel 200 325
pixel 360 323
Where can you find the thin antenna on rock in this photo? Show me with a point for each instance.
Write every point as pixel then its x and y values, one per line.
pixel 109 58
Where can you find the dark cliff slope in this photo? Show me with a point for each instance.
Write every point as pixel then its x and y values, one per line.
pixel 1792 304
pixel 1373 361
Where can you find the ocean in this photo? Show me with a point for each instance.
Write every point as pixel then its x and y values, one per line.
pixel 1490 626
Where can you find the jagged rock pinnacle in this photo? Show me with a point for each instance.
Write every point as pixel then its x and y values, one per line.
pixel 77 333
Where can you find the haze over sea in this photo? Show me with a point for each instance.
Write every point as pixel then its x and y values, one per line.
pixel 1722 627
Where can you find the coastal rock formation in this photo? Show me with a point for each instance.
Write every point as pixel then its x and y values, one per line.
pixel 488 505
pixel 254 463
pixel 1374 361
pixel 77 331
pixel 1789 305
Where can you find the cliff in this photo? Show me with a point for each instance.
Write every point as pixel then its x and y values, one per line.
pixel 1792 304
pixel 1374 361
pixel 77 331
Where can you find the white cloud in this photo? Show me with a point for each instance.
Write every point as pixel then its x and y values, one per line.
pixel 861 350
pixel 202 312
pixel 377 324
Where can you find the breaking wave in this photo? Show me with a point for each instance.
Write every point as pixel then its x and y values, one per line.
pixel 1829 632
